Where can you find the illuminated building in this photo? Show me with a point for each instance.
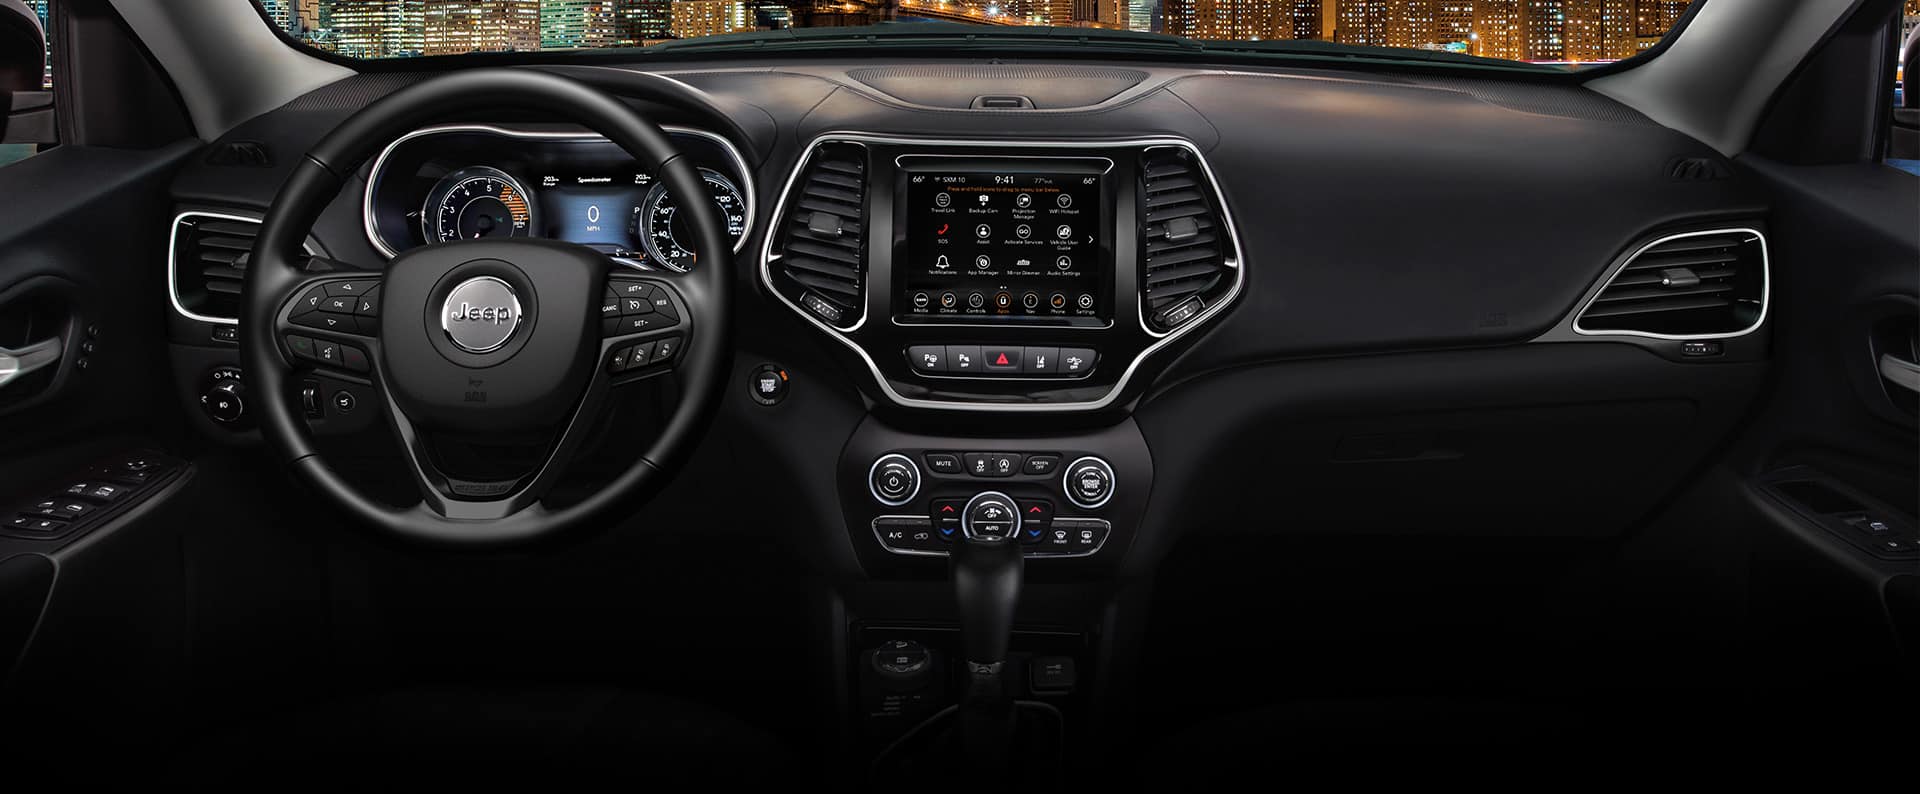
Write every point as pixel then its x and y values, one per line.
pixel 1600 30
pixel 452 27
pixel 577 24
pixel 695 18
pixel 1110 14
pixel 644 20
pixel 1140 14
pixel 1227 20
pixel 1499 29
pixel 1361 22
pixel 1409 23
pixel 279 12
pixel 1305 19
pixel 1546 30
pixel 1453 25
pixel 374 28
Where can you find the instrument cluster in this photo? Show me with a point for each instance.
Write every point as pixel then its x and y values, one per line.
pixel 465 182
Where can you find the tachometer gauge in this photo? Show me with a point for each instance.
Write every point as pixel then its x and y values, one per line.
pixel 667 238
pixel 476 202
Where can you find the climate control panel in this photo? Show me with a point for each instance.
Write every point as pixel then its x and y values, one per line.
pixel 981 505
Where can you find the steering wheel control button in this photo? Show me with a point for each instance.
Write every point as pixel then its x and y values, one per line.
pixel 327 321
pixel 351 288
pixel 310 301
pixel 991 516
pixel 354 359
pixel 1077 360
pixel 327 352
pixel 620 360
pixel 893 480
pixel 664 350
pixel 991 464
pixel 339 304
pixel 943 463
pixel 481 314
pixel 768 384
pixel 1088 482
pixel 1041 465
pixel 344 402
pixel 928 358
pixel 1003 359
pixel 368 305
pixel 301 346
pixel 224 403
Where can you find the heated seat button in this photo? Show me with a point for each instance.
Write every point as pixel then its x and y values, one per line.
pixel 1002 359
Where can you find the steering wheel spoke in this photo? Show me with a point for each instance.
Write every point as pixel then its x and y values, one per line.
pixel 644 323
pixel 332 321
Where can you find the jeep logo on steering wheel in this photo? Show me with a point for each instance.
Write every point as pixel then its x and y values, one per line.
pixel 481 314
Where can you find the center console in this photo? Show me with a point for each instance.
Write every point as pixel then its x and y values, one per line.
pixel 1016 276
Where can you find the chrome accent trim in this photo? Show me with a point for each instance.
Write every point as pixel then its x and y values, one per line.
pixel 1766 289
pixel 966 524
pixel 1226 217
pixel 446 314
pixel 1900 372
pixel 373 177
pixel 875 526
pixel 767 256
pixel 917 479
pixel 173 247
pixel 15 363
pixel 1066 484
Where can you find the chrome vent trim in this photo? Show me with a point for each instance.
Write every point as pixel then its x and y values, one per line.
pixel 1704 285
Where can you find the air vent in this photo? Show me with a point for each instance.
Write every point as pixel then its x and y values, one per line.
pixel 821 249
pixel 1184 243
pixel 1698 169
pixel 1702 284
pixel 208 261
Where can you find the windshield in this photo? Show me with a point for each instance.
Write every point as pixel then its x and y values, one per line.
pixel 1557 33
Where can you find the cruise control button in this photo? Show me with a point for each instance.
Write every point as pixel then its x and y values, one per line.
pixel 1077 360
pixel 610 306
pixel 1003 359
pixel 636 305
pixel 663 305
pixel 1041 361
pixel 631 289
pixel 927 358
pixel 633 324
pixel 964 359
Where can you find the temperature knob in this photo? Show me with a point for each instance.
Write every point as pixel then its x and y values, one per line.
pixel 990 516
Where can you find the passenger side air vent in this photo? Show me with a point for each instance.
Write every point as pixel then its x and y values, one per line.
pixel 820 250
pixel 207 263
pixel 1697 284
pixel 1185 252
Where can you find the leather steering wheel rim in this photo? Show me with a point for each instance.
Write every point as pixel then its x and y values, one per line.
pixel 277 266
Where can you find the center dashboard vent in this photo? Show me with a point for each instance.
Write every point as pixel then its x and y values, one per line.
pixel 1696 284
pixel 1186 254
pixel 820 250
pixel 208 262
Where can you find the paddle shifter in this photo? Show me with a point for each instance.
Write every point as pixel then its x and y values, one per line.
pixel 987 567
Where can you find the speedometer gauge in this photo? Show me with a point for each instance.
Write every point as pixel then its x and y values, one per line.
pixel 476 202
pixel 667 238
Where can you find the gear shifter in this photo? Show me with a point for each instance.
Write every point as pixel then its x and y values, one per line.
pixel 987 568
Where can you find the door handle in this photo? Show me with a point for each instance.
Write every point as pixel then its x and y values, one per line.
pixel 1900 372
pixel 15 363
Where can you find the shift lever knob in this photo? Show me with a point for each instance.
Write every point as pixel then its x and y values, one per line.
pixel 987 567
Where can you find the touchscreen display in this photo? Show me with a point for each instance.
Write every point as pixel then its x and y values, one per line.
pixel 1008 246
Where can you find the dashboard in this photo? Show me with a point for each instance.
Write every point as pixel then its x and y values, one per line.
pixel 456 182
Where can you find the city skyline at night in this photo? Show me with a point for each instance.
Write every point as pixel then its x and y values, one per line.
pixel 1572 31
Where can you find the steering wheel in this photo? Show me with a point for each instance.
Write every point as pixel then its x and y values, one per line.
pixel 487 338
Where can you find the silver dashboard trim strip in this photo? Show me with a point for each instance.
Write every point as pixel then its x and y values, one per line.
pixel 1766 288
pixel 741 173
pixel 1226 216
pixel 173 248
